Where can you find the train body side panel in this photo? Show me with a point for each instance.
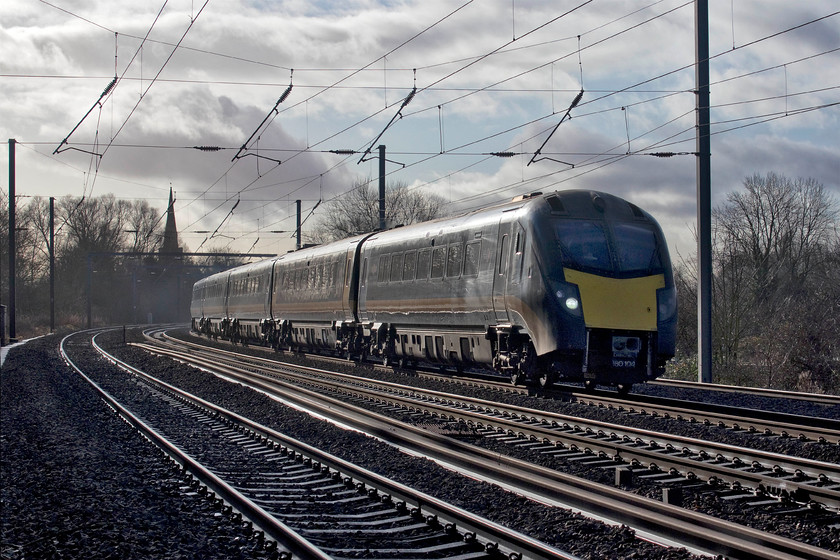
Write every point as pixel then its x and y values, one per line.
pixel 437 275
pixel 316 285
pixel 248 297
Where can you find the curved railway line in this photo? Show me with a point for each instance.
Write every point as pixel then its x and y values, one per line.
pixel 589 444
pixel 314 504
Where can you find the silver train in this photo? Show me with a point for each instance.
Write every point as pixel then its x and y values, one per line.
pixel 572 285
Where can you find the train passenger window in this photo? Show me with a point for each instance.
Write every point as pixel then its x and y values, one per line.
pixel 410 265
pixel 424 259
pixel 453 263
pixel 438 262
pixel 396 267
pixel 384 267
pixel 304 280
pixel 472 258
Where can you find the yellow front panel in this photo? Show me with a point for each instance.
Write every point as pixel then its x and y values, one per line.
pixel 612 303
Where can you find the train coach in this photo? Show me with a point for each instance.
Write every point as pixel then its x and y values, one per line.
pixel 573 285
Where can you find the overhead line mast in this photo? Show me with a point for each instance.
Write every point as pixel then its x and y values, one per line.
pixel 704 194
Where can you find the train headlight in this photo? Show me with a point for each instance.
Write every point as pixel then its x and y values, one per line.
pixel 569 296
pixel 666 304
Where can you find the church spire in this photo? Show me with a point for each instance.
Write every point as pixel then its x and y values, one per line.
pixel 170 232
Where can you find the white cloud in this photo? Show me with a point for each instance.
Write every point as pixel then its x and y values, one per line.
pixel 239 61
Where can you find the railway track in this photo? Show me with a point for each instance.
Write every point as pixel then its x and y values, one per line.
pixel 753 421
pixel 312 503
pixel 771 423
pixel 539 434
pixel 642 453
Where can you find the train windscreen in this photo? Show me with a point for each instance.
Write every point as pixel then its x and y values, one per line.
pixel 624 248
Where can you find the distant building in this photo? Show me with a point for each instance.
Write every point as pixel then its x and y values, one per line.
pixel 169 280
pixel 170 231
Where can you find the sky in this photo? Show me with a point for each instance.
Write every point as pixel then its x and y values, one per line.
pixel 119 97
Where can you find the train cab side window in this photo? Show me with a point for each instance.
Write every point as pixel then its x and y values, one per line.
pixel 453 262
pixel 472 257
pixel 364 272
pixel 424 260
pixel 438 262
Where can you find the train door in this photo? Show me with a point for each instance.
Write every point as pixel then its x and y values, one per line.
pixel 500 272
pixel 517 255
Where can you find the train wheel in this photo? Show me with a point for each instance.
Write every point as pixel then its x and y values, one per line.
pixel 545 379
pixel 516 377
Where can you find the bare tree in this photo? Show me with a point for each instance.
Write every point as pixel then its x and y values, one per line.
pixel 143 224
pixel 776 299
pixel 780 226
pixel 358 210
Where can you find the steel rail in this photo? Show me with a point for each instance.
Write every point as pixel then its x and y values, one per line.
pixel 760 391
pixel 751 420
pixel 271 526
pixel 670 522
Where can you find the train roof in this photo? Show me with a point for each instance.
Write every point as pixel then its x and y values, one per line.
pixel 585 204
pixel 573 203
